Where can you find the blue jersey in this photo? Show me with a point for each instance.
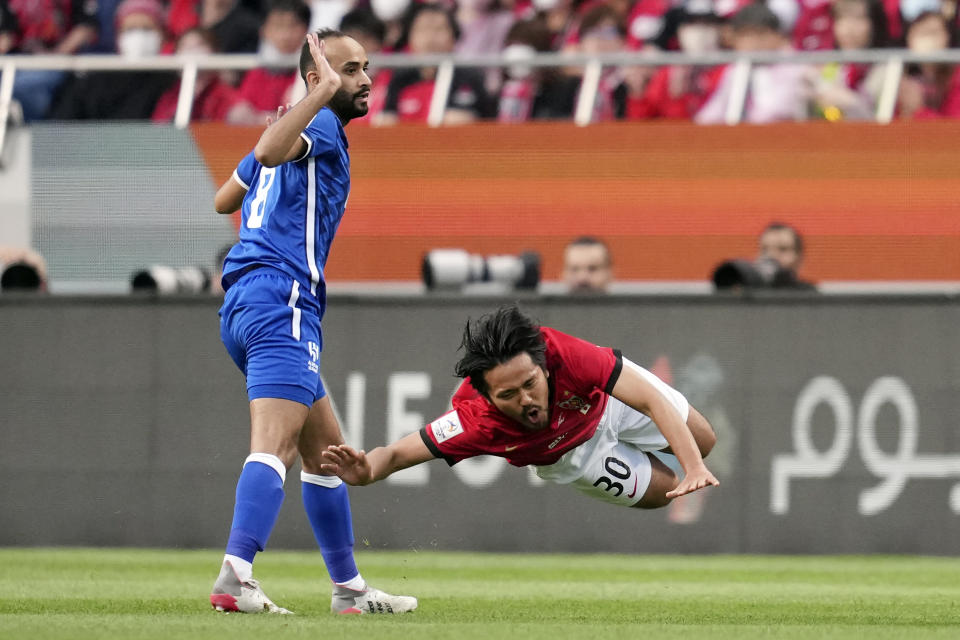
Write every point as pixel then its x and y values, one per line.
pixel 291 212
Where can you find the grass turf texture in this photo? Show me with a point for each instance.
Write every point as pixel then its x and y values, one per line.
pixel 146 594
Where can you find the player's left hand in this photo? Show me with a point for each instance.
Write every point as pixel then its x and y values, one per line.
pixel 280 111
pixel 348 464
pixel 695 479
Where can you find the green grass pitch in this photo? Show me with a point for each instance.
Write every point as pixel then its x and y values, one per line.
pixel 146 594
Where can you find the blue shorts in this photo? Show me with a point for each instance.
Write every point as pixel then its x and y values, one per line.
pixel 270 326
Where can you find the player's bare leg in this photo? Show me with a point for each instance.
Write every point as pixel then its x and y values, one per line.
pixel 275 430
pixel 702 431
pixel 662 480
pixel 323 494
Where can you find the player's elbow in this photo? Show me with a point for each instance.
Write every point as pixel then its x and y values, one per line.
pixel 266 156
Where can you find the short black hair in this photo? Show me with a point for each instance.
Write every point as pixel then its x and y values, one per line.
pixel 298 8
pixel 497 338
pixel 591 241
pixel 783 226
pixel 364 21
pixel 306 60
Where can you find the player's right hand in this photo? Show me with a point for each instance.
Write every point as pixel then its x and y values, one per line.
pixel 328 77
pixel 348 464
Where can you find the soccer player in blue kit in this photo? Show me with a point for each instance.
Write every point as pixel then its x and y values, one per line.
pixel 293 189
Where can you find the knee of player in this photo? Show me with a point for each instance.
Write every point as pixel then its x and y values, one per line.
pixel 702 430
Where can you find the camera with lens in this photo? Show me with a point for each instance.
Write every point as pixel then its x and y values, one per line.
pixel 450 268
pixel 171 280
pixel 753 274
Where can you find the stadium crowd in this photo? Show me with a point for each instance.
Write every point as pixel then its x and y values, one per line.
pixel 275 30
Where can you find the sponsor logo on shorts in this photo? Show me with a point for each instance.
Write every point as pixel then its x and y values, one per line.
pixel 314 357
pixel 446 426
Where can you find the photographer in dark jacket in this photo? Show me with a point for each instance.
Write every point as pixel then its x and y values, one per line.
pixel 776 267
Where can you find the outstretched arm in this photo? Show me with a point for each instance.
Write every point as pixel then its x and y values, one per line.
pixel 359 468
pixel 636 391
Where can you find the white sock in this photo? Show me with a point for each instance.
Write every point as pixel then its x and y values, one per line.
pixel 243 568
pixel 355 584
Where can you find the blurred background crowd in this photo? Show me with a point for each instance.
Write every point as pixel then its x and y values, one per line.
pixel 275 30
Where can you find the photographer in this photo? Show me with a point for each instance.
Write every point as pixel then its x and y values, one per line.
pixel 776 266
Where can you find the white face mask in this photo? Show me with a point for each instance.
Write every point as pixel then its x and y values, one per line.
pixel 272 56
pixel 139 43
pixel 519 53
pixel 698 38
pixel 389 10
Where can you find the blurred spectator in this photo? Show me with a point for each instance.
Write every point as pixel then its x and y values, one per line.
pixel 390 13
pixel 432 28
pixel 559 16
pixel 126 95
pixel 929 89
pixel 265 88
pixel 776 92
pixel 850 91
pixel 525 89
pixel 678 92
pixel 367 29
pixel 57 27
pixel 484 25
pixel 22 269
pixel 235 27
pixel 601 31
pixel 212 98
pixel 587 265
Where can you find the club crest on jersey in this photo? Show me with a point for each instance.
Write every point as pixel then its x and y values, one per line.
pixel 446 426
pixel 574 403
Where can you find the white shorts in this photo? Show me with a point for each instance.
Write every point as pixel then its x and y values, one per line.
pixel 613 465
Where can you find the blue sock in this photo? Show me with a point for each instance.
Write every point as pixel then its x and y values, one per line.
pixel 328 509
pixel 259 496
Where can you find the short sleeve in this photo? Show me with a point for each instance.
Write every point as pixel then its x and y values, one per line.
pixel 246 171
pixel 586 363
pixel 448 437
pixel 321 134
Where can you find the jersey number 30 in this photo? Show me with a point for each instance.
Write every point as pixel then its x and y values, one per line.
pixel 259 204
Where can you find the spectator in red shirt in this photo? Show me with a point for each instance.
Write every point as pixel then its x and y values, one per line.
pixel 265 88
pixel 580 414
pixel 432 28
pixel 212 98
pixel 929 89
pixel 678 92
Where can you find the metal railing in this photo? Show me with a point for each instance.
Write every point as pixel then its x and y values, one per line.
pixel 893 59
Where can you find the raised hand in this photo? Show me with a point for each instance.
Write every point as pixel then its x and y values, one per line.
pixel 328 77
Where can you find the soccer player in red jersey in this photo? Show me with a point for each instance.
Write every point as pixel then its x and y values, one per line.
pixel 581 414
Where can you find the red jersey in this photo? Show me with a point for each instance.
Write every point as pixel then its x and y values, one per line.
pixel 581 377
